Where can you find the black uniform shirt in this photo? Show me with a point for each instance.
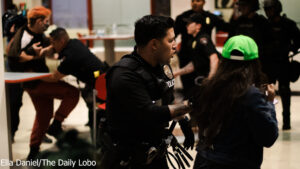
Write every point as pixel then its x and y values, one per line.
pixel 286 38
pixel 258 28
pixel 78 61
pixel 201 48
pixel 131 108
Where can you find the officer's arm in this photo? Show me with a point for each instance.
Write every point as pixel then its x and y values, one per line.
pixel 295 35
pixel 55 77
pixel 189 68
pixel 214 62
pixel 221 24
pixel 131 91
pixel 48 52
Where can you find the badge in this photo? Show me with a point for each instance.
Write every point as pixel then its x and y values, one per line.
pixel 207 20
pixel 194 44
pixel 96 74
pixel 203 41
pixel 168 71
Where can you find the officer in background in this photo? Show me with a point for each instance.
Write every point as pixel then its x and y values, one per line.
pixel 203 52
pixel 286 38
pixel 256 26
pixel 77 60
pixel 139 98
pixel 211 21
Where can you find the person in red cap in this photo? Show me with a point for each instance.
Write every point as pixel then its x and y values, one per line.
pixel 26 55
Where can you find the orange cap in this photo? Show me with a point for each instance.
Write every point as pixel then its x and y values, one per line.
pixel 38 12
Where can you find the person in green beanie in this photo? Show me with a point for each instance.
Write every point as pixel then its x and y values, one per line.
pixel 234 111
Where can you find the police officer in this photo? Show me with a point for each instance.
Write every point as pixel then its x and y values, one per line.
pixel 211 21
pixel 251 24
pixel 77 60
pixel 203 52
pixel 286 38
pixel 139 97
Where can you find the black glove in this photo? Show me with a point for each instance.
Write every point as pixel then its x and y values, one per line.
pixel 186 128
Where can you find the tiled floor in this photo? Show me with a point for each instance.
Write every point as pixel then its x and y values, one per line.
pixel 284 154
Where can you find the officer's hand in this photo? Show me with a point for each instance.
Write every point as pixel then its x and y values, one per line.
pixel 177 110
pixel 186 128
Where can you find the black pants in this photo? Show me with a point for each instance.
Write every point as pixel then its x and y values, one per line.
pixel 14 97
pixel 279 71
pixel 87 95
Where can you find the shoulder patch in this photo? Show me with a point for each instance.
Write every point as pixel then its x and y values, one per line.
pixel 203 41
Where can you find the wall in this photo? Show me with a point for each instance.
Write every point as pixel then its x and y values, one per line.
pixel 120 12
pixel 4 153
pixel 30 3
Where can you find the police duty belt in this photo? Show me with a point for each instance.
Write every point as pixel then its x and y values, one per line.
pixel 179 154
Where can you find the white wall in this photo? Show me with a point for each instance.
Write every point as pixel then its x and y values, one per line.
pixel 106 12
pixel 4 153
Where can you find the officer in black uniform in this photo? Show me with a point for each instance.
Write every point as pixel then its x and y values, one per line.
pixel 79 61
pixel 211 21
pixel 202 50
pixel 256 26
pixel 286 38
pixel 139 98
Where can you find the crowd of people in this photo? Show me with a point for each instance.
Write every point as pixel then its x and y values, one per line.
pixel 229 96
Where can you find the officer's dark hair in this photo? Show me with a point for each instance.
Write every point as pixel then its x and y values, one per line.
pixel 151 27
pixel 58 33
pixel 253 3
pixel 276 4
pixel 219 96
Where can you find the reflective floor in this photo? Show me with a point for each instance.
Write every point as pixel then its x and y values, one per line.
pixel 284 154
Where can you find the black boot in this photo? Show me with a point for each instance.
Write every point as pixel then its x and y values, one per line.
pixel 34 151
pixel 286 122
pixel 55 129
pixel 46 139
pixel 285 94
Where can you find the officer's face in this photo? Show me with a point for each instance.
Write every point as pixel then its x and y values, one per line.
pixel 197 5
pixel 270 12
pixel 57 44
pixel 245 9
pixel 192 28
pixel 166 48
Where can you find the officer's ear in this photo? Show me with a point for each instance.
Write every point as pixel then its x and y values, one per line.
pixel 198 26
pixel 154 44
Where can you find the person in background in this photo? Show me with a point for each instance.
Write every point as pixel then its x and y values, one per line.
pixel 26 55
pixel 285 38
pixel 203 52
pixel 234 111
pixel 254 25
pixel 211 21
